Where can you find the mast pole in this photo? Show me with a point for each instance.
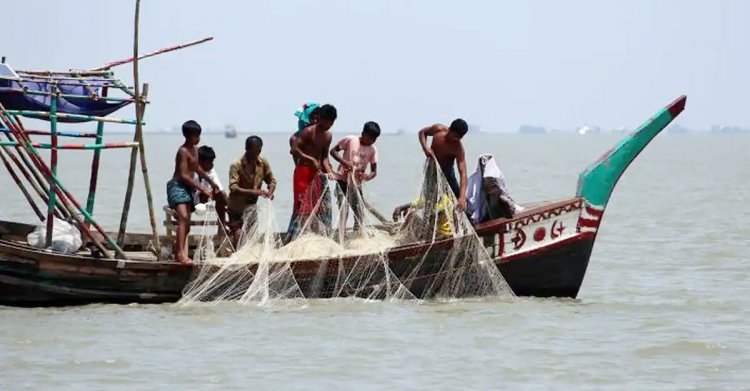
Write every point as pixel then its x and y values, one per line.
pixel 53 170
pixel 95 170
pixel 144 168
pixel 139 109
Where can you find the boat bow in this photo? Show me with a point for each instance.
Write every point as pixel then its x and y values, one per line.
pixel 597 182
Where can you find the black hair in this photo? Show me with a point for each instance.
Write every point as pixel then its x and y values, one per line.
pixel 253 141
pixel 459 126
pixel 191 128
pixel 206 154
pixel 371 129
pixel 327 112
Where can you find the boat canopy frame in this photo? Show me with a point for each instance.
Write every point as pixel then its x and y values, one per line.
pixel 43 95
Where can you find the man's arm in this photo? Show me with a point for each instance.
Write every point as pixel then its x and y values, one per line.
pixel 335 153
pixel 324 156
pixel 270 181
pixel 297 151
pixel 464 182
pixel 428 131
pixel 204 175
pixel 373 165
pixel 373 172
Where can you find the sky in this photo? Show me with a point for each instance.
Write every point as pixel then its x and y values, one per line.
pixel 407 63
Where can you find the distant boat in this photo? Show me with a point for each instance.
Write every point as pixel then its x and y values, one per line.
pixel 723 129
pixel 475 129
pixel 677 129
pixel 230 132
pixel 585 130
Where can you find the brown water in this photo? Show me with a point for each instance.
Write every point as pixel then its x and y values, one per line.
pixel 664 304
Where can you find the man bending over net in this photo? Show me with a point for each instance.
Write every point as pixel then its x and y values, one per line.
pixel 448 150
pixel 246 177
pixel 354 154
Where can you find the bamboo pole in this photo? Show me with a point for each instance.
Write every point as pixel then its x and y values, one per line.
pixel 20 185
pixel 72 82
pixel 80 147
pixel 144 170
pixel 140 107
pixel 74 73
pixel 68 201
pixel 35 114
pixel 152 54
pixel 53 173
pixel 32 175
pixel 38 183
pixel 67 96
pixel 41 192
pixel 94 170
pixel 139 110
pixel 59 133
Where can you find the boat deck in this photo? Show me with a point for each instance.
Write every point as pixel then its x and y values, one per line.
pixel 136 243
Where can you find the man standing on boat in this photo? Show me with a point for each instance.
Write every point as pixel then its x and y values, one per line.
pixel 310 151
pixel 246 177
pixel 181 188
pixel 307 115
pixel 448 150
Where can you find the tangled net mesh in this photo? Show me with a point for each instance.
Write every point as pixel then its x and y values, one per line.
pixel 430 253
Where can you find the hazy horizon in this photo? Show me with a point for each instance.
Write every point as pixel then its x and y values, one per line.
pixel 407 64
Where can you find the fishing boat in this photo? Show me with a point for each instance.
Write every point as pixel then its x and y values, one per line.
pixel 542 251
pixel 230 131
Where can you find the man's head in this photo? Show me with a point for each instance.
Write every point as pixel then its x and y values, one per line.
pixel 314 116
pixel 192 132
pixel 458 129
pixel 326 116
pixel 253 146
pixel 206 156
pixel 370 133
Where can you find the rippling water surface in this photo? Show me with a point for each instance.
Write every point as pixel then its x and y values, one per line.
pixel 664 304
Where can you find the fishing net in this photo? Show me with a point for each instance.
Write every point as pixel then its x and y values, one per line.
pixel 347 248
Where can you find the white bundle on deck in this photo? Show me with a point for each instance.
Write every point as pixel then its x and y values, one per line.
pixel 66 238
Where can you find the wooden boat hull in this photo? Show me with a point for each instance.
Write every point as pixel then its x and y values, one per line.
pixel 29 277
pixel 544 267
pixel 58 280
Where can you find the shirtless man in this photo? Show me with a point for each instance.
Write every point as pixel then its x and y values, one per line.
pixel 183 185
pixel 310 151
pixel 307 115
pixel 447 149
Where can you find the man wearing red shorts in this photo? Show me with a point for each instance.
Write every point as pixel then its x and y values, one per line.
pixel 310 150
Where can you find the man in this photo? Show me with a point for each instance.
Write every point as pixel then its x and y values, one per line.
pixel 307 115
pixel 354 154
pixel 206 157
pixel 246 177
pixel 310 151
pixel 181 188
pixel 448 150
